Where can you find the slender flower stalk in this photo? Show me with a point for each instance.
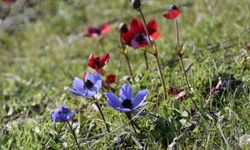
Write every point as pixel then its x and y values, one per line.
pixel 180 54
pixel 123 28
pixel 145 26
pixel 73 133
pixel 132 123
pixel 155 54
pixel 146 59
pixel 161 75
pixel 103 118
pixel 129 66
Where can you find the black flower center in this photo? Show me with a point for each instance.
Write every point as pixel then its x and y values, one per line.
pixel 140 38
pixel 174 7
pixel 97 62
pixel 88 84
pixel 97 31
pixel 127 103
pixel 124 28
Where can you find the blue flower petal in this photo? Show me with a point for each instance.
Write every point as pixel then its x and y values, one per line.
pixel 76 92
pixel 98 85
pixel 93 77
pixel 97 76
pixel 90 93
pixel 126 92
pixel 140 105
pixel 62 114
pixel 139 97
pixel 113 100
pixel 125 110
pixel 78 84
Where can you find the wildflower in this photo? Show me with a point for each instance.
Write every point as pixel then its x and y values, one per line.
pixel 98 62
pixel 93 32
pixel 62 114
pixel 88 87
pixel 172 13
pixel 111 78
pixel 248 47
pixel 173 90
pixel 137 37
pixel 9 2
pixel 182 96
pixel 123 28
pixel 136 4
pixel 127 101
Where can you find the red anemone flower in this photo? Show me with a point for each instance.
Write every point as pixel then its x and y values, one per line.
pixel 9 2
pixel 93 32
pixel 172 13
pixel 248 47
pixel 136 36
pixel 98 62
pixel 111 78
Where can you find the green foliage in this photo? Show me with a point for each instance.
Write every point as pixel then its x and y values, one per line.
pixel 40 59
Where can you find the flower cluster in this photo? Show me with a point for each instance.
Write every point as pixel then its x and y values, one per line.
pixel 138 35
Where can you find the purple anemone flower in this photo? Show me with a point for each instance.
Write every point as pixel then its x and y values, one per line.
pixel 62 114
pixel 127 101
pixel 88 87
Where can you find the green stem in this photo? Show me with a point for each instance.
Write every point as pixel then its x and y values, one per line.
pixel 145 27
pixel 129 66
pixel 103 118
pixel 131 121
pixel 161 75
pixel 155 54
pixel 180 54
pixel 185 73
pixel 146 59
pixel 124 52
pixel 73 133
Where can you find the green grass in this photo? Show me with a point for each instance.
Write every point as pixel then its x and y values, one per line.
pixel 39 61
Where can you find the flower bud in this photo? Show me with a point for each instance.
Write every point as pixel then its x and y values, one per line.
pixel 136 4
pixel 123 28
pixel 174 7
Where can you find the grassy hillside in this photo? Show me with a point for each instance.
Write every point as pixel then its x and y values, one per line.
pixel 42 51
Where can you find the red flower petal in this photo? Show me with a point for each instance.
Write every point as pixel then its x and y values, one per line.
pixel 9 2
pixel 93 32
pixel 173 13
pixel 91 61
pixel 173 90
pixel 111 78
pixel 152 27
pixel 248 47
pixel 136 25
pixel 105 29
pixel 98 62
pixel 136 36
pixel 104 59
